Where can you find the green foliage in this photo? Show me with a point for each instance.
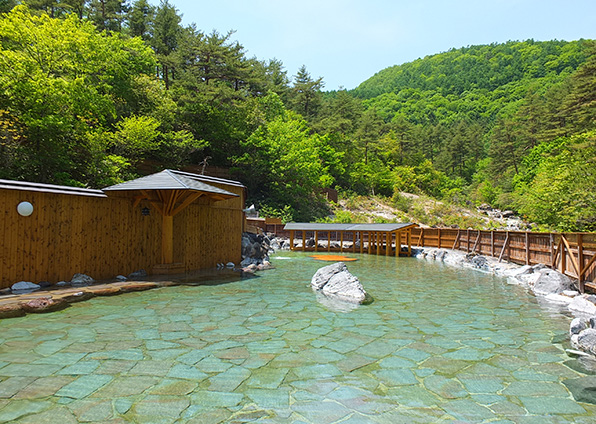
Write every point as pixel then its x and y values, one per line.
pixel 560 190
pixel 60 78
pixel 285 213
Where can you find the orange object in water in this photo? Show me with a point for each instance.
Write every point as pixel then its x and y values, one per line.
pixel 333 258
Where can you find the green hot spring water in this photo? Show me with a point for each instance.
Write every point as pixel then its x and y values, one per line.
pixel 437 345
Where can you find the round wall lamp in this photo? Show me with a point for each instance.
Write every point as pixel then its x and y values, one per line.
pixel 25 208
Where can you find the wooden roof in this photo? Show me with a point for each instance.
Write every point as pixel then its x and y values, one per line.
pixel 174 180
pixel 49 188
pixel 309 226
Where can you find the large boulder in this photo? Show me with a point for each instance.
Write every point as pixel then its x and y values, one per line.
pixel 337 282
pixel 551 281
pixel 587 340
pixel 583 304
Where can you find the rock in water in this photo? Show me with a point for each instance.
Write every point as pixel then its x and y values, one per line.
pixel 336 281
pixel 81 280
pixel 24 287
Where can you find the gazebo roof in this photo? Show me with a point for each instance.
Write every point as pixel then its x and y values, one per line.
pixel 171 180
pixel 309 226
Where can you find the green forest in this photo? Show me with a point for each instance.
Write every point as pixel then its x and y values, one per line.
pixel 95 92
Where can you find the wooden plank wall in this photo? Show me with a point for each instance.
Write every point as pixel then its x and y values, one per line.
pixel 104 237
pixel 520 247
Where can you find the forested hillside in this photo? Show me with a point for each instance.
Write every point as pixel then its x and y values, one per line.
pixel 93 92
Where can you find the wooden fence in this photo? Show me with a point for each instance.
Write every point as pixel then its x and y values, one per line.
pixel 573 254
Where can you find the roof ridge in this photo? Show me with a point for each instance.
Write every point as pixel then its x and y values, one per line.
pixel 172 174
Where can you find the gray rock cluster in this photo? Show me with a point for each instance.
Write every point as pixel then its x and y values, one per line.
pixel 337 282
pixel 77 280
pixel 583 334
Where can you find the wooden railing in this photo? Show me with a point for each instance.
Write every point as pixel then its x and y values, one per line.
pixel 573 254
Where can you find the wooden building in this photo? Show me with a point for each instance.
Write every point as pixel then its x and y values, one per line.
pixel 166 222
pixel 378 239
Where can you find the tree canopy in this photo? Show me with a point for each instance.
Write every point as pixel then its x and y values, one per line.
pixel 96 91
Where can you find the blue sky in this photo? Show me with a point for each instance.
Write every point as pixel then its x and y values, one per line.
pixel 348 41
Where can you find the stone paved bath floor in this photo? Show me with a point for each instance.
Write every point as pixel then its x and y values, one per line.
pixel 437 345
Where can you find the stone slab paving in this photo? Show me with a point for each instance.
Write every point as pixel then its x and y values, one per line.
pixel 462 347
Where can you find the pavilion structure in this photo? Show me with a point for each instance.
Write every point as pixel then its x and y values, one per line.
pixel 379 239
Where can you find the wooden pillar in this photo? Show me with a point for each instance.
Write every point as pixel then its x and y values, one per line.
pixel 527 248
pixel 439 238
pixel 409 240
pixel 378 241
pixel 328 241
pixel 341 241
pixel 316 241
pixel 303 240
pixel 563 257
pixel 361 241
pixel 388 243
pixel 492 243
pixel 468 241
pixel 552 247
pixel 291 239
pixel 580 262
pixel 167 239
pixel 369 242
pixel 397 243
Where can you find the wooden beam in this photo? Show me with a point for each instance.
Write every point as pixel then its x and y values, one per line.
pixel 590 262
pixel 439 238
pixel 316 241
pixel 189 199
pixel 421 238
pixel 409 240
pixel 328 241
pixel 341 242
pixel 492 243
pixel 476 242
pixel 556 254
pixel 379 241
pixel 504 246
pixel 397 243
pixel 468 241
pixel 456 240
pixel 303 240
pixel 573 261
pixel 138 200
pixel 291 239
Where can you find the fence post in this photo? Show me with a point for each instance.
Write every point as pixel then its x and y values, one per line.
pixel 527 248
pixel 563 255
pixel 580 261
